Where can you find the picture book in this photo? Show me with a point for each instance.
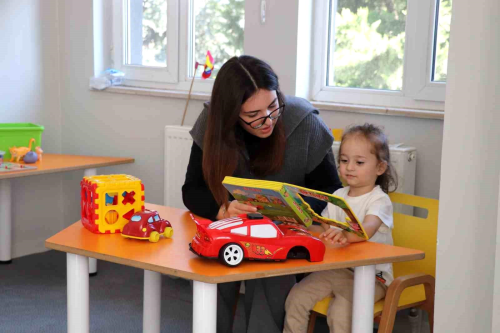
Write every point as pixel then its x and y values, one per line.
pixel 285 202
pixel 9 166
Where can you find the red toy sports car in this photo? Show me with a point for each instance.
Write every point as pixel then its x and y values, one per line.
pixel 255 237
pixel 147 224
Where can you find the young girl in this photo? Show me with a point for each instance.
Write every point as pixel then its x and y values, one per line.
pixel 364 163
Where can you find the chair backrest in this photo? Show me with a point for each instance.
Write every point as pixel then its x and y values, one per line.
pixel 416 233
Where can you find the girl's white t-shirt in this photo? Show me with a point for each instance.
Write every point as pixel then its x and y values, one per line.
pixel 377 203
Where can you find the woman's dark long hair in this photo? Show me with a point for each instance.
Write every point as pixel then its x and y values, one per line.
pixel 237 80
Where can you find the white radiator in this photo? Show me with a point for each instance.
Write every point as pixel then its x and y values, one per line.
pixel 178 144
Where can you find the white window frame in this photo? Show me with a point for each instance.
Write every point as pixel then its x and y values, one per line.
pixel 146 73
pixel 176 75
pixel 418 91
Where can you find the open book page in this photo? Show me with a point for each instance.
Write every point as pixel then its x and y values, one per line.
pixel 284 202
pixel 352 223
pixel 269 202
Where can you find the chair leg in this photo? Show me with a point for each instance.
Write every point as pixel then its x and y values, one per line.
pixel 428 306
pixel 392 299
pixel 312 322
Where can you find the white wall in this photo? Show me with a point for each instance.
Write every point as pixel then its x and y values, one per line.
pixel 97 123
pixel 469 194
pixel 29 90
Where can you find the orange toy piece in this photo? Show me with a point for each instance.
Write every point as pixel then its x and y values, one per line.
pixel 39 152
pixel 109 201
pixel 19 152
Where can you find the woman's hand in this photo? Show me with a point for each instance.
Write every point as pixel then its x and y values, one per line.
pixel 334 236
pixel 235 208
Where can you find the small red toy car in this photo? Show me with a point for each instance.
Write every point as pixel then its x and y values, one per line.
pixel 147 224
pixel 255 237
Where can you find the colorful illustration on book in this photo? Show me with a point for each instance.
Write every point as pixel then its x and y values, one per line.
pixel 9 167
pixel 285 202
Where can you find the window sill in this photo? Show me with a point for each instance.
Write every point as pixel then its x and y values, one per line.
pixel 387 111
pixel 201 96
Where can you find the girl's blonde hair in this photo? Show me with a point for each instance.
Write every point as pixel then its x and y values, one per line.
pixel 388 181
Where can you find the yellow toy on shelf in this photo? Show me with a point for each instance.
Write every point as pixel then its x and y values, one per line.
pixel 109 201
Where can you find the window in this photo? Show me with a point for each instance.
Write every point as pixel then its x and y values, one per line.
pixel 218 26
pixel 135 218
pixel 441 41
pixel 157 218
pixel 156 43
pixel 145 39
pixel 382 52
pixel 263 231
pixel 150 220
pixel 239 231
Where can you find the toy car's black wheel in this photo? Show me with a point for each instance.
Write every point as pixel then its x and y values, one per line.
pixel 231 254
pixel 298 252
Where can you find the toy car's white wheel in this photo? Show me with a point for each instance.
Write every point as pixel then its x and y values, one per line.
pixel 154 237
pixel 168 232
pixel 232 254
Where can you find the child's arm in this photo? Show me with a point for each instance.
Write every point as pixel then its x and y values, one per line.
pixel 371 223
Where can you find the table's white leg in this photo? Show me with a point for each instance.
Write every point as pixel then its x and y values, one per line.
pixel 77 268
pixel 92 261
pixel 151 317
pixel 363 300
pixel 92 266
pixel 204 307
pixel 5 221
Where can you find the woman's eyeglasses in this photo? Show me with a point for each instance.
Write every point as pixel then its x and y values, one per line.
pixel 258 123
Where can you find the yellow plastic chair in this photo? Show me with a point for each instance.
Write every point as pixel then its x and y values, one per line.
pixel 413 285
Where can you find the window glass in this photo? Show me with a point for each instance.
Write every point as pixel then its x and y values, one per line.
pixel 150 220
pixel 366 44
pixel 441 40
pixel 135 218
pixel 218 27
pixel 146 41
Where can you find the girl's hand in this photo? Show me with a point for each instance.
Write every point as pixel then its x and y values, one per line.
pixel 235 208
pixel 334 236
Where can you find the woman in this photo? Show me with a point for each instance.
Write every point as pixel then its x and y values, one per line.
pixel 250 130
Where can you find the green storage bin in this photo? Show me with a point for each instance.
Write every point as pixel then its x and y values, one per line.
pixel 19 135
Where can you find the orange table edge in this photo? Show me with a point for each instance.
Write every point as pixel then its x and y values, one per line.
pixel 172 256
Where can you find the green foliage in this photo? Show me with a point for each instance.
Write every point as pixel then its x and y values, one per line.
pixel 218 28
pixel 369 45
pixel 442 41
pixel 154 29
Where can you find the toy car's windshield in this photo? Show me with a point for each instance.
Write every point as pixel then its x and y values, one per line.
pixel 157 218
pixel 135 218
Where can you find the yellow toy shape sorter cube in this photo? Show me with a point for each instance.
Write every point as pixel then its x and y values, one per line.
pixel 109 201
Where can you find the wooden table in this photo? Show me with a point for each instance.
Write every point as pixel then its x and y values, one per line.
pixel 172 256
pixel 51 163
